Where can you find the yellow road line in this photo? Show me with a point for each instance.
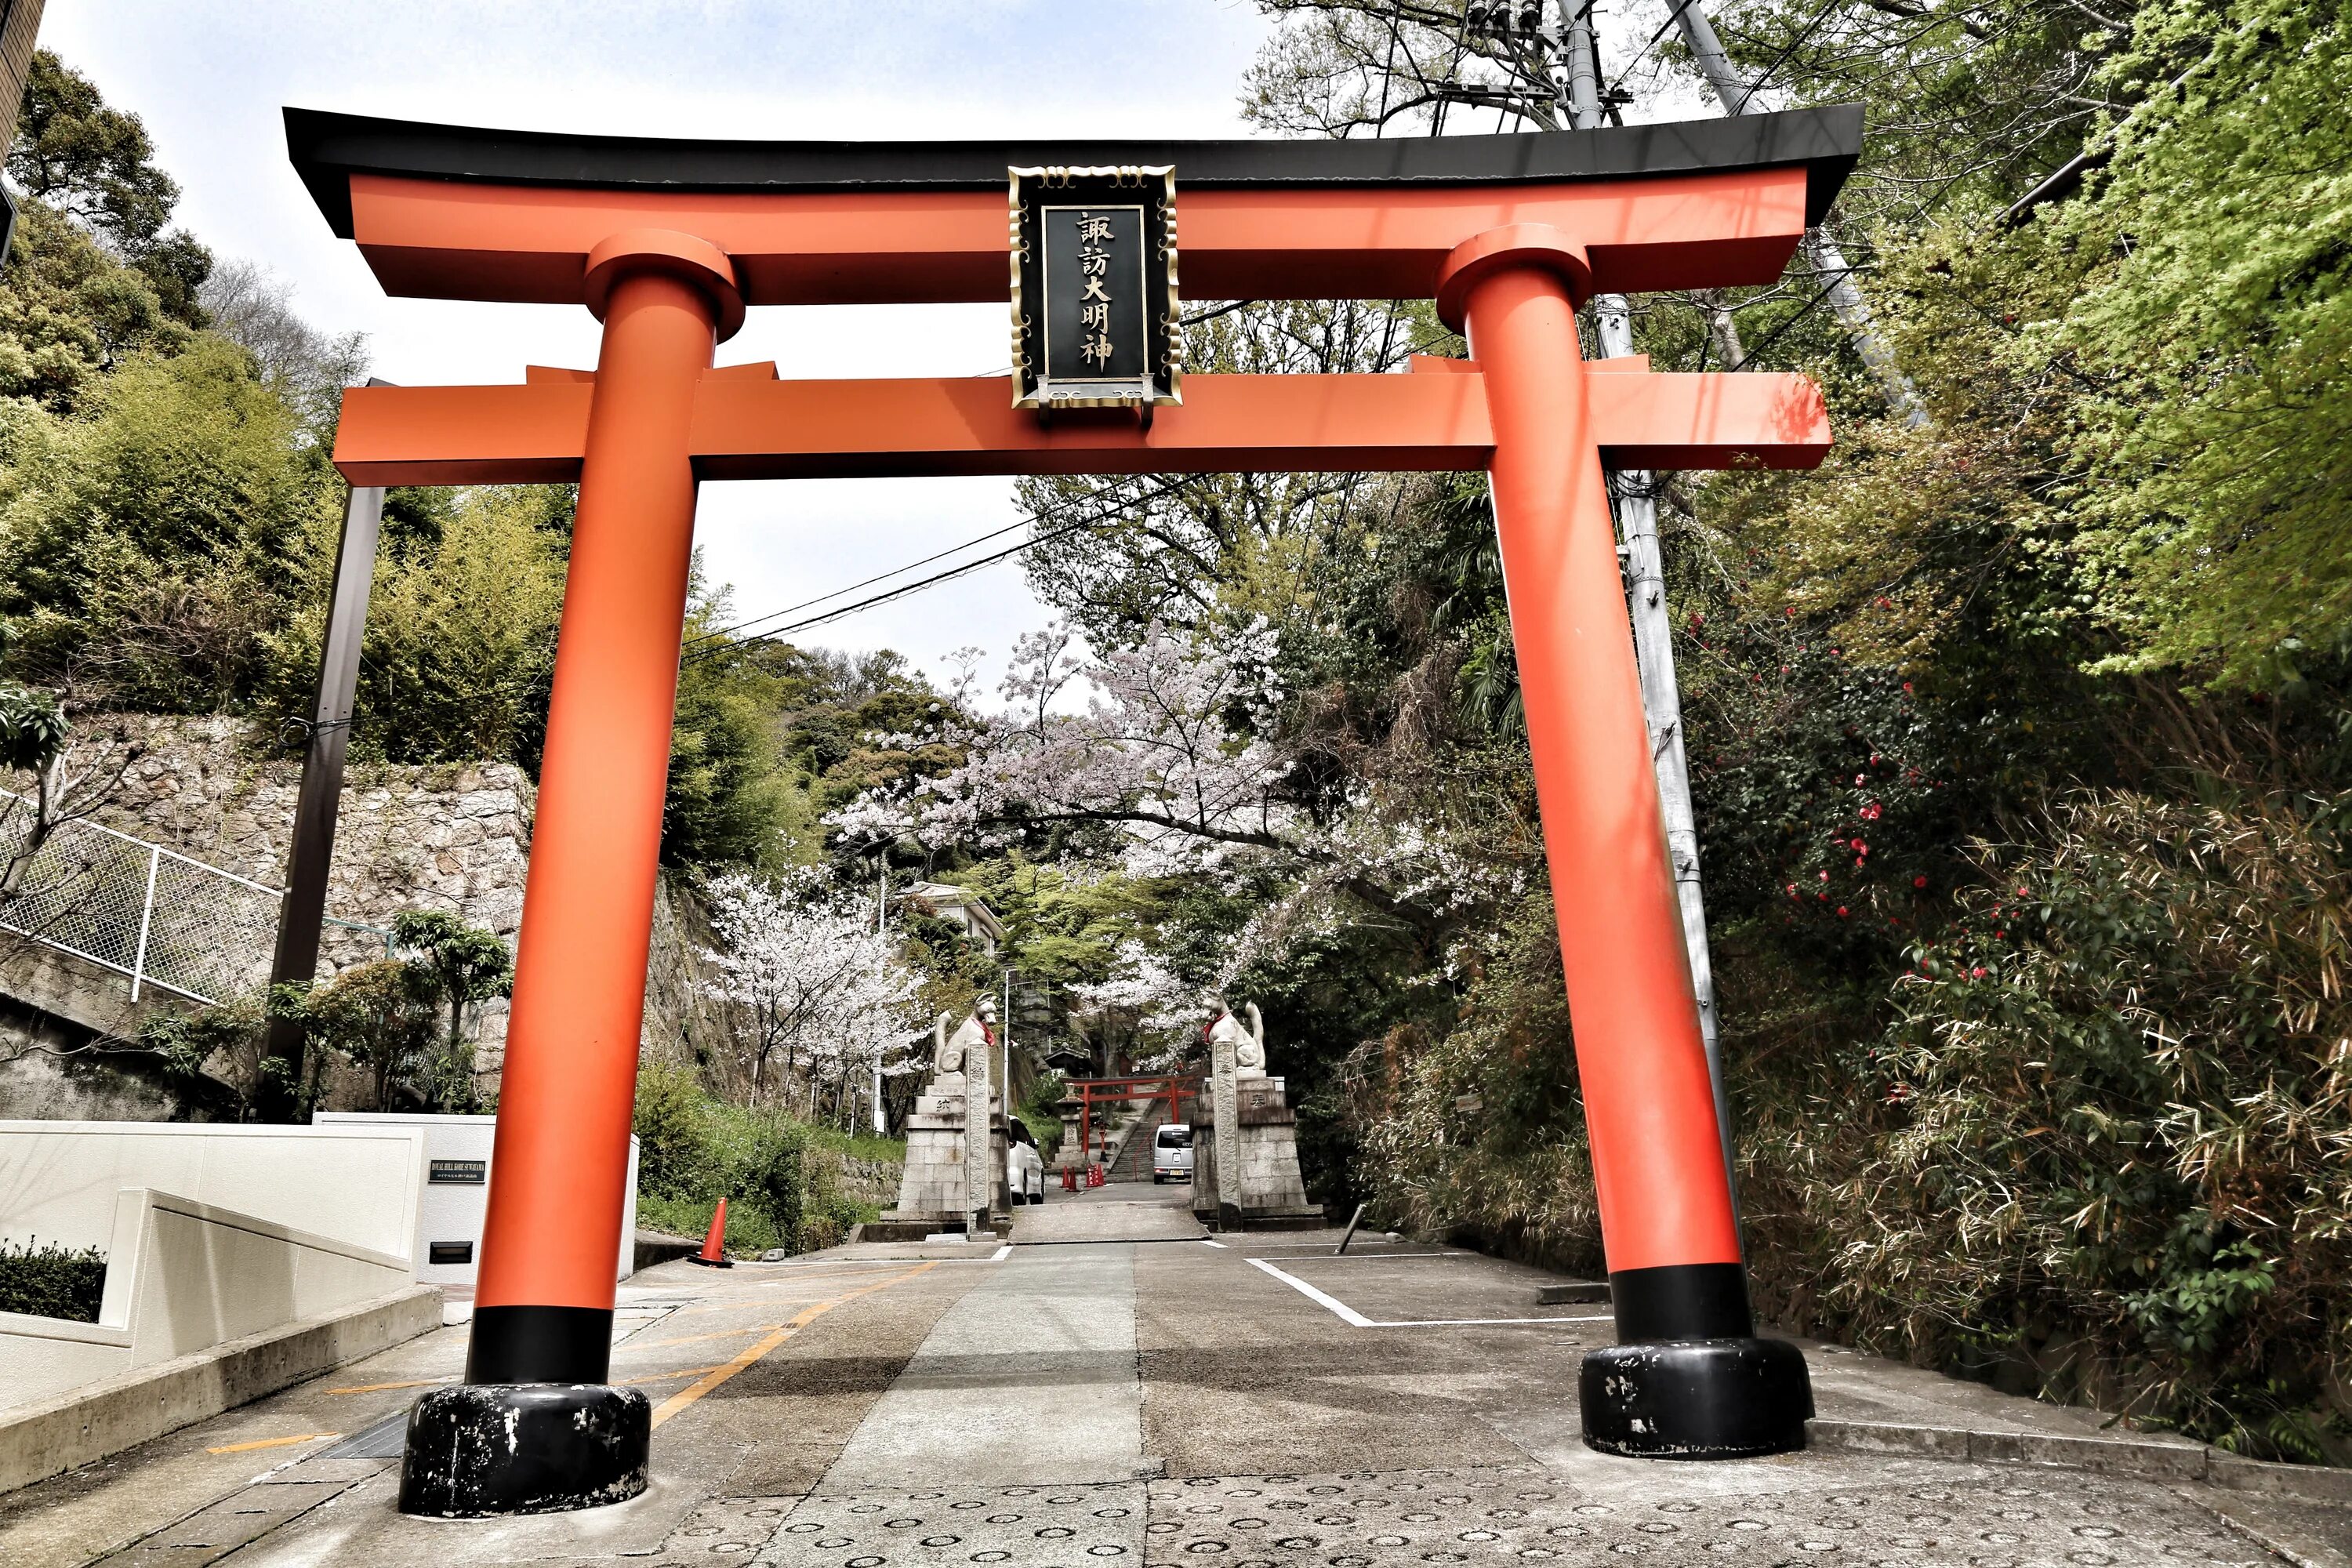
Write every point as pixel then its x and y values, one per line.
pixel 714 1334
pixel 807 1315
pixel 663 1376
pixel 272 1443
pixel 380 1387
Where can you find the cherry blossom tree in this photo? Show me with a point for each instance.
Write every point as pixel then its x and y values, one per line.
pixel 825 994
pixel 1170 748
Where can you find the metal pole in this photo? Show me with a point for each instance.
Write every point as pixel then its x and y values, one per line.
pixel 1846 302
pixel 882 929
pixel 295 961
pixel 146 921
pixel 1653 644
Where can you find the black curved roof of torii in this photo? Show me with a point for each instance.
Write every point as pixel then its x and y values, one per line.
pixel 328 148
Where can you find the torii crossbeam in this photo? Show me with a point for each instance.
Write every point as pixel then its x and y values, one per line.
pixel 668 243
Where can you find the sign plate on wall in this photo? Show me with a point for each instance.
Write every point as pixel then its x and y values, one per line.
pixel 458 1172
pixel 1094 288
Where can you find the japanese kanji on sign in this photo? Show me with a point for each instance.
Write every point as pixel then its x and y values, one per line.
pixel 1094 288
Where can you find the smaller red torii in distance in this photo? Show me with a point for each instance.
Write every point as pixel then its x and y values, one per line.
pixel 668 243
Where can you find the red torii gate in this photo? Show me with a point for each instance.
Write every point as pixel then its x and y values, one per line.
pixel 668 242
pixel 1151 1088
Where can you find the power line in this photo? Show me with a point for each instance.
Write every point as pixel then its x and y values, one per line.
pixel 888 595
pixel 720 632
pixel 724 633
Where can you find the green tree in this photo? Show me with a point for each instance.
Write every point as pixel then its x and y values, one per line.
pixel 379 1017
pixel 96 163
pixel 149 551
pixel 458 965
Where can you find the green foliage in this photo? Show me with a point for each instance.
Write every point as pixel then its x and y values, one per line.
pixel 2107 1116
pixel 149 551
pixel 674 1155
pixel 32 722
pixel 52 1281
pixel 461 629
pixel 379 1017
pixel 2209 320
pixel 69 312
pixel 777 1174
pixel 455 965
pixel 212 1059
pixel 735 795
pixel 77 156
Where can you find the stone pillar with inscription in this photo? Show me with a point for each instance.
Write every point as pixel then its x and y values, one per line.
pixel 1249 1176
pixel 952 1151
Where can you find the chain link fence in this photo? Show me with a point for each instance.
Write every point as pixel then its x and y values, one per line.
pixel 136 908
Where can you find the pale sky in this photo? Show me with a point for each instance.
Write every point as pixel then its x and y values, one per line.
pixel 209 78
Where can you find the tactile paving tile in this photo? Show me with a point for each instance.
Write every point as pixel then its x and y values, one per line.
pixel 1990 1520
pixel 1097 1526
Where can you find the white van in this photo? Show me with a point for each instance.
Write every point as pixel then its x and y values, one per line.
pixel 1172 1154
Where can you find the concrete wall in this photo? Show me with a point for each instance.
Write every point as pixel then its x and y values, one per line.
pixel 450 1205
pixel 359 1187
pixel 183 1277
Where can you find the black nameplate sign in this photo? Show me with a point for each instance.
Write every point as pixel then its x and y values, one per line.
pixel 449 1252
pixel 1094 288
pixel 457 1173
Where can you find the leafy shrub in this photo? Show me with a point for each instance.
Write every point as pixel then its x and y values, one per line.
pixel 51 1281
pixel 2100 1151
pixel 777 1174
pixel 674 1158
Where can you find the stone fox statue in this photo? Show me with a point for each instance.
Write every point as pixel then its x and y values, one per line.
pixel 948 1051
pixel 1249 1044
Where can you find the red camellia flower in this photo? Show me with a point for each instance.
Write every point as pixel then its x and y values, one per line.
pixel 1870 812
pixel 1975 974
pixel 1919 881
pixel 1906 689
pixel 1841 911
pixel 1860 780
pixel 1860 847
pixel 2000 933
pixel 1825 875
pixel 2023 894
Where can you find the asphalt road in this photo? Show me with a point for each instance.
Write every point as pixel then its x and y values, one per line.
pixel 1240 1401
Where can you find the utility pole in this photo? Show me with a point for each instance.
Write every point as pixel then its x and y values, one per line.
pixel 1654 645
pixel 881 928
pixel 1846 302
pixel 299 914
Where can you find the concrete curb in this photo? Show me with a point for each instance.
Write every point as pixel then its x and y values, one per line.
pixel 61 1434
pixel 2111 1456
pixel 653 1247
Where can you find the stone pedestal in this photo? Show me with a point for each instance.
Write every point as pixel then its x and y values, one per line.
pixel 932 1192
pixel 1245 1155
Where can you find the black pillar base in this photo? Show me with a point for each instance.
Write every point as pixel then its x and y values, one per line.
pixel 1696 1399
pixel 477 1450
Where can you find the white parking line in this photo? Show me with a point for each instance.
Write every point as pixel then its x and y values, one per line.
pixel 1218 1245
pixel 1355 1320
pixel 1000 1253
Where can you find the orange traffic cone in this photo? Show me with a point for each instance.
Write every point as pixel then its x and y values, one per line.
pixel 714 1246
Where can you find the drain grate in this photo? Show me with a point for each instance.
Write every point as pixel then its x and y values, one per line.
pixel 380 1441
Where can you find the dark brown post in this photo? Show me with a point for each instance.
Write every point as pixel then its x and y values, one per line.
pixel 304 907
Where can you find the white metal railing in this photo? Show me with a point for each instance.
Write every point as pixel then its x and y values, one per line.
pixel 138 909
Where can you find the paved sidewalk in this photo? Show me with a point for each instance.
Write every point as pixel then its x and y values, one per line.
pixel 1121 1211
pixel 1248 1400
